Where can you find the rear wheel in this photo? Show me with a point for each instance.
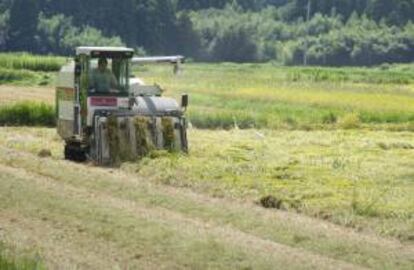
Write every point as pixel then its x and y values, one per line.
pixel 75 152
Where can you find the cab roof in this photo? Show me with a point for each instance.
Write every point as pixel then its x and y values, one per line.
pixel 96 51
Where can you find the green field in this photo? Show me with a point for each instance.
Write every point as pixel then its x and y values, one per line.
pixel 330 150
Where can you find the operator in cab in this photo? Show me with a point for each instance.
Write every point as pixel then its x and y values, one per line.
pixel 102 80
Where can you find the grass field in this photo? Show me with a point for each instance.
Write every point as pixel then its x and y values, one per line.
pixel 331 151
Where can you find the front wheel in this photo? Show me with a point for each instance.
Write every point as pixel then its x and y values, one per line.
pixel 75 152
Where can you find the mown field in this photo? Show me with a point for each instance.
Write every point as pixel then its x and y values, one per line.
pixel 330 151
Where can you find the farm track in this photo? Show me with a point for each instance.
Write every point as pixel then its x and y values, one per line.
pixel 101 218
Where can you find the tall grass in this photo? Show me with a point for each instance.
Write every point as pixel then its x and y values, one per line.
pixel 9 261
pixel 27 114
pixel 12 75
pixel 31 62
pixel 24 68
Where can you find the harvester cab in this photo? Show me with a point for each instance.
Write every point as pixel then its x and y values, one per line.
pixel 106 116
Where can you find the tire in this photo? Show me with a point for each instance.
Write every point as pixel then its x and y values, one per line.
pixel 75 152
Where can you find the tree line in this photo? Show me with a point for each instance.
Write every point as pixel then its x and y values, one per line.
pixel 337 32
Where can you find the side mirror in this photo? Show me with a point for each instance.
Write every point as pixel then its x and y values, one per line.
pixel 184 101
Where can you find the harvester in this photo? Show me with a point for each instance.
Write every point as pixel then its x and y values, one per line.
pixel 122 122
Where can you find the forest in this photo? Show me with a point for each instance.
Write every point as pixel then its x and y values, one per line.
pixel 296 32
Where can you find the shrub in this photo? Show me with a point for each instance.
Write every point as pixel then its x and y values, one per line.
pixel 235 45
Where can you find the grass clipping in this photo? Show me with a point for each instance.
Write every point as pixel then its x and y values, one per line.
pixel 168 133
pixel 129 139
pixel 142 136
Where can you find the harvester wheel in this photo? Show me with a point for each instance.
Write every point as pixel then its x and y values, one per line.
pixel 75 152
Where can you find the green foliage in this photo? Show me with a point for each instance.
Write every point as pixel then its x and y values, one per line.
pixel 22 25
pixel 4 27
pixel 339 32
pixel 27 114
pixel 235 45
pixel 62 37
pixel 331 40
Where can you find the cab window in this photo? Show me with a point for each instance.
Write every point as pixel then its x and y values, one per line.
pixel 108 78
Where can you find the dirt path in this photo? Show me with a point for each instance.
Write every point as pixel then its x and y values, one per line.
pixel 97 218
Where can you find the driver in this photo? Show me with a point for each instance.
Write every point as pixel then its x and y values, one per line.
pixel 102 80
